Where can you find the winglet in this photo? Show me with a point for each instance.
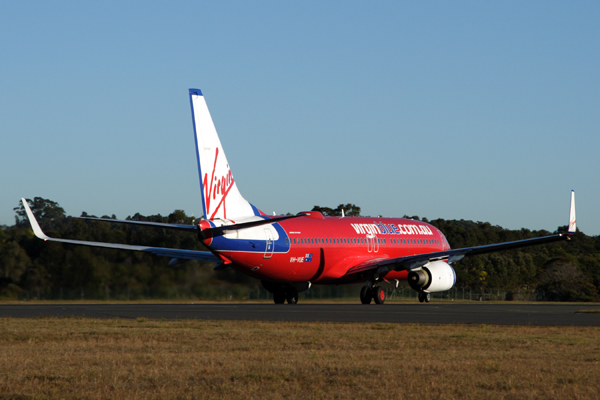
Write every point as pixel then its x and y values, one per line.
pixel 34 224
pixel 572 218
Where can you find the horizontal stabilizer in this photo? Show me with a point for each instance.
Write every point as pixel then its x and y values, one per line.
pixel 216 231
pixel 220 230
pixel 181 227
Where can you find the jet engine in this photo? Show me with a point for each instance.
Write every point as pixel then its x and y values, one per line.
pixel 435 276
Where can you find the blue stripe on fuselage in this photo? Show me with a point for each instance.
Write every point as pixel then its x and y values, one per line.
pixel 221 243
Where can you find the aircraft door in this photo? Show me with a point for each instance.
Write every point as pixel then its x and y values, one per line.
pixel 270 247
pixel 372 243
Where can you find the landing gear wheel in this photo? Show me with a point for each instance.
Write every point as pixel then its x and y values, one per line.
pixel 291 295
pixel 421 297
pixel 279 297
pixel 379 295
pixel 365 295
pixel 427 297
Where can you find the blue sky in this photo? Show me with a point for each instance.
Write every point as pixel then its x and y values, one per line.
pixel 485 111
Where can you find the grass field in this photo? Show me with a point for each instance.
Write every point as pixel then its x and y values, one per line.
pixel 123 359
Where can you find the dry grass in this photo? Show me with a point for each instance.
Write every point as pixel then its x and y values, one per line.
pixel 117 359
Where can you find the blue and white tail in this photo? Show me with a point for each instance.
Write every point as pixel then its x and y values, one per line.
pixel 221 198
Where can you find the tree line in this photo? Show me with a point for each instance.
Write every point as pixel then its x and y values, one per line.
pixel 567 271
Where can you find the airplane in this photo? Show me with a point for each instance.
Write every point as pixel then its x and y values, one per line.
pixel 290 253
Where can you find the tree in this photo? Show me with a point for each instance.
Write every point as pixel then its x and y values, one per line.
pixel 350 210
pixel 13 261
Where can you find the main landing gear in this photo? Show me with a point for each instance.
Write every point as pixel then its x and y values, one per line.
pixel 288 293
pixel 283 292
pixel 376 293
pixel 424 297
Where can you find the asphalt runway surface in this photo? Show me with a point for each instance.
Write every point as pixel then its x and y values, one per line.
pixel 432 313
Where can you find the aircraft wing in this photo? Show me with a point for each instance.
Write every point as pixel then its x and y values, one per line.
pixel 175 254
pixel 383 266
pixel 418 260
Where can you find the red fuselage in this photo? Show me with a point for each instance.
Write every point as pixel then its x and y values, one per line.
pixel 323 250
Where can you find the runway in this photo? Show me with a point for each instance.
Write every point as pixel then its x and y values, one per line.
pixel 504 314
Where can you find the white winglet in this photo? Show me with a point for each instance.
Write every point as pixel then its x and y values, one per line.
pixel 572 218
pixel 34 224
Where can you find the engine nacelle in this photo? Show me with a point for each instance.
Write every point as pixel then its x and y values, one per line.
pixel 435 276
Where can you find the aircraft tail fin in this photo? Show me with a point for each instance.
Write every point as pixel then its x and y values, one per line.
pixel 221 198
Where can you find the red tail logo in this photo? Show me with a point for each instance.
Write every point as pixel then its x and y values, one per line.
pixel 217 190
